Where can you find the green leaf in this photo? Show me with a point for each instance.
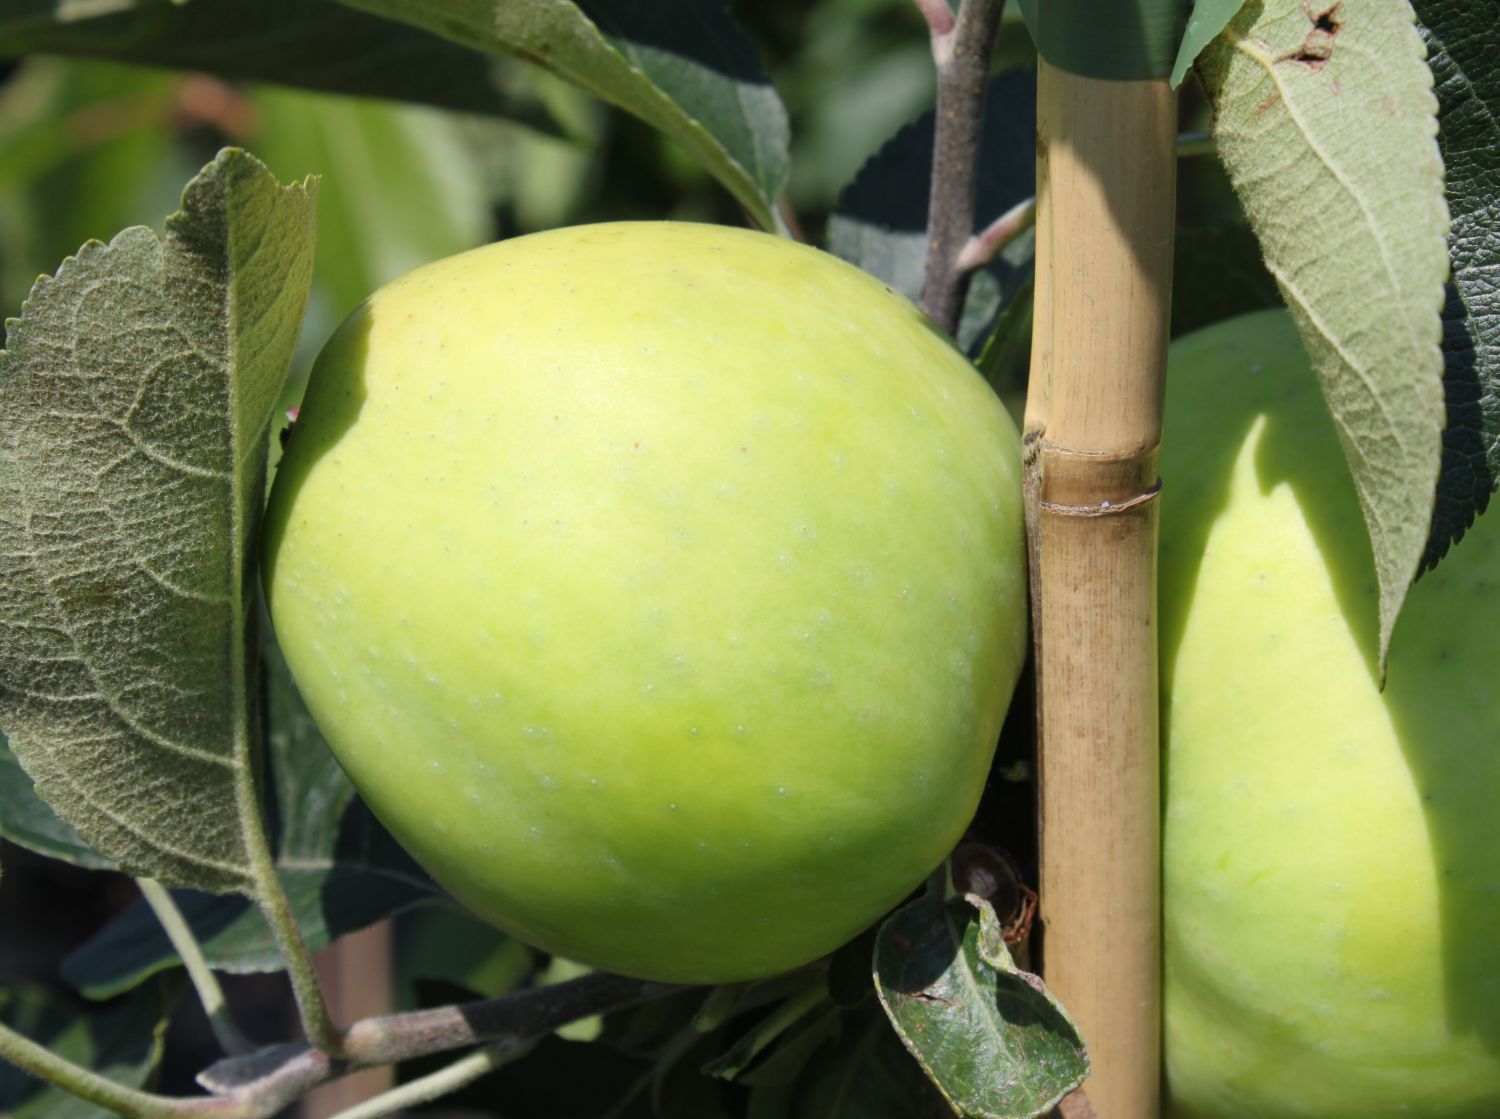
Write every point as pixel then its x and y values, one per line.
pixel 1217 273
pixel 341 870
pixel 26 820
pixel 790 1057
pixel 767 1030
pixel 1205 21
pixel 990 1036
pixel 1005 359
pixel 865 1073
pixel 63 182
pixel 680 65
pixel 329 901
pixel 1326 121
pixel 562 1079
pixel 1108 39
pixel 881 220
pixel 1463 46
pixel 447 950
pixel 289 42
pixel 122 1041
pixel 135 398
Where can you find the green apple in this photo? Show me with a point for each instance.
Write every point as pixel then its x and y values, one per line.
pixel 1332 851
pixel 660 586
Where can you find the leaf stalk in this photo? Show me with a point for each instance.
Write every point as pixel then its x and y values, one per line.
pixel 186 945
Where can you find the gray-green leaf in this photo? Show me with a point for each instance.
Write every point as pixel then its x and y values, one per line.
pixel 26 820
pixel 680 65
pixel 991 1037
pixel 282 41
pixel 135 398
pixel 1326 120
pixel 1463 49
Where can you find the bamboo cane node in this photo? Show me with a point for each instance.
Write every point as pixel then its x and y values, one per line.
pixel 1103 508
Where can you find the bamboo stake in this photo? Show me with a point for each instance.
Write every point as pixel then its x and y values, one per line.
pixel 1106 165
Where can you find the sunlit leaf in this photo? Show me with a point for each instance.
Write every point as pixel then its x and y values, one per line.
pixel 1326 120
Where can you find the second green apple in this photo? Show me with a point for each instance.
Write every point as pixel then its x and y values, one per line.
pixel 1332 851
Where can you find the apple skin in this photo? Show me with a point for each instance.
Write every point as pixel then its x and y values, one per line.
pixel 1332 852
pixel 660 586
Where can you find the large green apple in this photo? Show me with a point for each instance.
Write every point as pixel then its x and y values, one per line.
pixel 1332 851
pixel 660 586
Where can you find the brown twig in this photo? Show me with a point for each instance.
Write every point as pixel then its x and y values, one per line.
pixel 274 1078
pixel 961 49
pixel 264 1083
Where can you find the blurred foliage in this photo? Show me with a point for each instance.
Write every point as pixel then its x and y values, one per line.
pixel 87 149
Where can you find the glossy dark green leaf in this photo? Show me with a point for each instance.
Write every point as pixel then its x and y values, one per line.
pixel 783 1018
pixel 863 1072
pixel 136 392
pixel 683 66
pixel 991 1037
pixel 881 220
pixel 122 1040
pixel 312 44
pixel 1463 50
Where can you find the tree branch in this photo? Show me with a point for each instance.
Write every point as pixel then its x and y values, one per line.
pixel 273 1078
pixel 529 1013
pixel 260 1085
pixel 962 54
